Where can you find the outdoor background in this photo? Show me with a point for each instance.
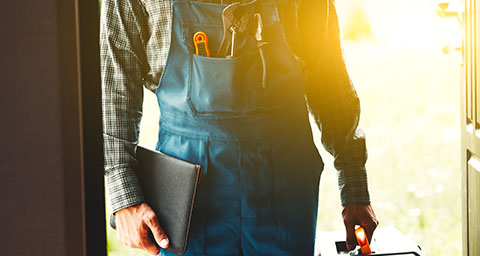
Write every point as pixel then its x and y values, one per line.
pixel 409 92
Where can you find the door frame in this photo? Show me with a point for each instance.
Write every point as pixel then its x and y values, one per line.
pixel 470 122
pixel 79 52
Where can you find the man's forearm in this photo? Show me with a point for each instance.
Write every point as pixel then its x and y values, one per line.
pixel 123 65
pixel 333 100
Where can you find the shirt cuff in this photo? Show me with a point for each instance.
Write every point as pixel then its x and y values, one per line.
pixel 123 188
pixel 353 186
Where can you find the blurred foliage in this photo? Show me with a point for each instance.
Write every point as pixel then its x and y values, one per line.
pixel 411 119
pixel 357 25
pixel 410 99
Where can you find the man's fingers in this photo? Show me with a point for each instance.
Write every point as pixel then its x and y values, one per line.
pixel 134 224
pixel 148 244
pixel 369 222
pixel 370 228
pixel 351 239
pixel 157 231
pixel 363 215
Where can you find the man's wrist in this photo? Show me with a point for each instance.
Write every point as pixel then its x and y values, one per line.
pixel 123 189
pixel 353 186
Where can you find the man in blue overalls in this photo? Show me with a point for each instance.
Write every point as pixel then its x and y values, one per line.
pixel 244 117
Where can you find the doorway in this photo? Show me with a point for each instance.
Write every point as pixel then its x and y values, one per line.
pixel 410 97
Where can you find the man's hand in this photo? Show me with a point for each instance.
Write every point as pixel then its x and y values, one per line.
pixel 358 214
pixel 133 226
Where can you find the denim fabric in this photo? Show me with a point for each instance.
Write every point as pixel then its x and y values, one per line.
pixel 259 191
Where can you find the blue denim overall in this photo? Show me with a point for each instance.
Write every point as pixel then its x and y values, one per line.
pixel 258 195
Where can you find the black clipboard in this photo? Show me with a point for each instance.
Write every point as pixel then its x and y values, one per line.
pixel 169 185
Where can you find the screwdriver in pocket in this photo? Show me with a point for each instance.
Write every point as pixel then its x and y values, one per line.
pixel 260 45
pixel 233 29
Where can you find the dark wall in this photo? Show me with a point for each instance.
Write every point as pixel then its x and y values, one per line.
pixel 43 133
pixel 32 203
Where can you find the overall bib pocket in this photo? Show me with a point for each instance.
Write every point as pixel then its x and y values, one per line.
pixel 223 85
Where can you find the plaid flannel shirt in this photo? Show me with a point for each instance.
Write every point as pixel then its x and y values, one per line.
pixel 134 42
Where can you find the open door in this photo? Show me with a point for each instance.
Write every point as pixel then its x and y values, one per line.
pixel 471 130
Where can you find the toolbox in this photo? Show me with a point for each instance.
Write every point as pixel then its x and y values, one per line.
pixel 385 241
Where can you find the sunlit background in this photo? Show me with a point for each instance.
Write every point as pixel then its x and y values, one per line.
pixel 410 97
pixel 409 92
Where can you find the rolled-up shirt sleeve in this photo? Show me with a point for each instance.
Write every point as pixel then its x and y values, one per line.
pixel 123 65
pixel 332 98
